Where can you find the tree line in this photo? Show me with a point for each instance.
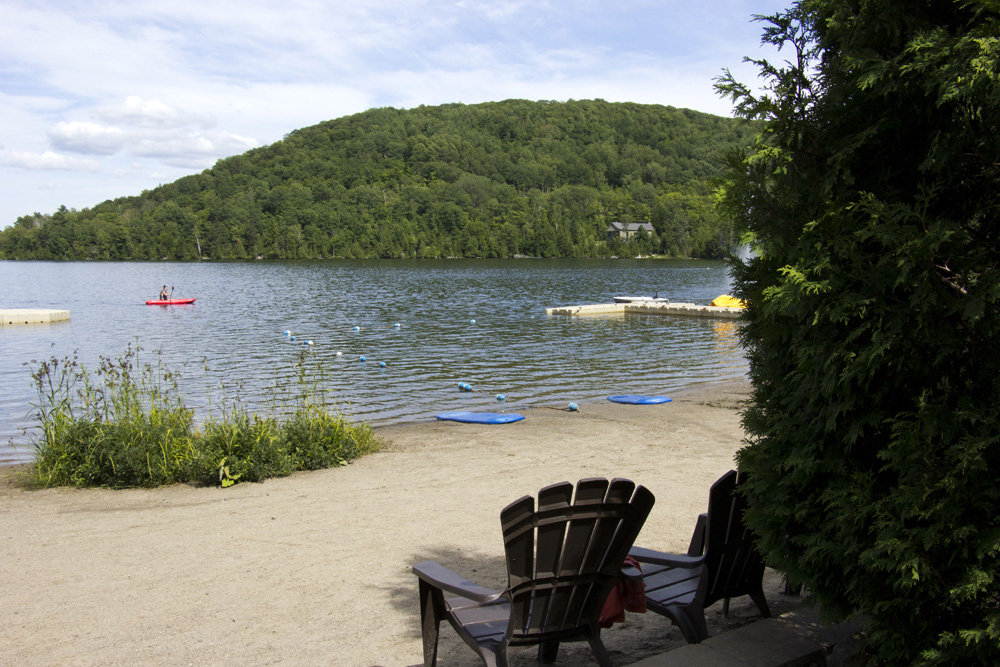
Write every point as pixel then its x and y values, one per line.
pixel 499 179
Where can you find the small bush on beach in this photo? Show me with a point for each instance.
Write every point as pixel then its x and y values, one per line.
pixel 127 426
pixel 150 450
pixel 243 447
pixel 120 427
pixel 316 439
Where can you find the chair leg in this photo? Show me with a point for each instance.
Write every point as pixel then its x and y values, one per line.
pixel 431 607
pixel 494 657
pixel 692 624
pixel 601 653
pixel 547 651
pixel 758 598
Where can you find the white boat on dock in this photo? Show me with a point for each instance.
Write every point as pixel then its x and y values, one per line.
pixel 640 299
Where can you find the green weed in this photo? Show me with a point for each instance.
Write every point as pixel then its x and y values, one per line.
pixel 127 426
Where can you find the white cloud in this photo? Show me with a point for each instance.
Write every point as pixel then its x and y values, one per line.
pixel 48 161
pixel 152 114
pixel 150 129
pixel 86 138
pixel 190 149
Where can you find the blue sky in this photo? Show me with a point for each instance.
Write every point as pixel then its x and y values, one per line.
pixel 105 99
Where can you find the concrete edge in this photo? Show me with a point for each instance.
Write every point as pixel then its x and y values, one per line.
pixel 794 639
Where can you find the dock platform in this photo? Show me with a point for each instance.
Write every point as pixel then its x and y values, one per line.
pixel 17 316
pixel 647 308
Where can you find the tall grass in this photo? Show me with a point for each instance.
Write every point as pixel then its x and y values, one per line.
pixel 127 426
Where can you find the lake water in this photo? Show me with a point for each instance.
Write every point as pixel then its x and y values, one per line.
pixel 231 340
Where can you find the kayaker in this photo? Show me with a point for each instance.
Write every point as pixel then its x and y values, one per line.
pixel 163 293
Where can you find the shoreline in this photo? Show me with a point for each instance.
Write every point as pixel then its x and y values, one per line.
pixel 315 568
pixel 11 465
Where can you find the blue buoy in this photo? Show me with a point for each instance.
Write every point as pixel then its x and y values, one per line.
pixel 461 386
pixel 500 397
pixel 472 321
pixel 291 338
pixel 362 357
pixel 572 407
pixel 396 325
pixel 468 387
pixel 357 328
pixel 381 364
pixel 287 332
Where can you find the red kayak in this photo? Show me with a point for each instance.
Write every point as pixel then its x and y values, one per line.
pixel 168 302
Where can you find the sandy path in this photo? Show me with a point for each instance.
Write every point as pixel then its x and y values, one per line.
pixel 314 569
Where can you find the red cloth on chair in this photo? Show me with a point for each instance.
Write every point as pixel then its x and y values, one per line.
pixel 627 595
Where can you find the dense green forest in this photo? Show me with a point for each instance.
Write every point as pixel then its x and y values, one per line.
pixel 499 179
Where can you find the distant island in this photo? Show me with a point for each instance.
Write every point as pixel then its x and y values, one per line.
pixel 500 179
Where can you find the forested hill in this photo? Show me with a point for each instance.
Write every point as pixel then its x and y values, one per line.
pixel 488 180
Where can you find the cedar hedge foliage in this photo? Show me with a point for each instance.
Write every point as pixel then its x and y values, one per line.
pixel 872 199
pixel 488 180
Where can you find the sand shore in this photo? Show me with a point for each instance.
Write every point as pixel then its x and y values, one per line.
pixel 314 569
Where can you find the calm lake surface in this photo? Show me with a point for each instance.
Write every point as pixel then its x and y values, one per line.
pixel 231 340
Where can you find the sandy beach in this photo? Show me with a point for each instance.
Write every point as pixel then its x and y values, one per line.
pixel 314 569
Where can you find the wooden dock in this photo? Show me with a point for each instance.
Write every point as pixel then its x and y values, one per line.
pixel 678 309
pixel 17 316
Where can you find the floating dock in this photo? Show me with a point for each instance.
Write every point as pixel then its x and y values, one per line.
pixel 17 316
pixel 647 308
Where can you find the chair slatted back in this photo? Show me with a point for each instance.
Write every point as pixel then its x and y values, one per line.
pixel 564 556
pixel 732 560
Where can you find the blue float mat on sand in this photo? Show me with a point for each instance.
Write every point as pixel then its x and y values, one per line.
pixel 638 399
pixel 480 417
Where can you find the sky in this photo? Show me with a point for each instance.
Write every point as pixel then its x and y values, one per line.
pixel 100 99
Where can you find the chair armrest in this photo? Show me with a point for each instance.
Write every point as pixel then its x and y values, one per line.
pixel 670 560
pixel 631 572
pixel 441 577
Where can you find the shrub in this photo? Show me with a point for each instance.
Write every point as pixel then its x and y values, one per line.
pixel 873 317
pixel 317 439
pixel 127 426
pixel 116 429
pixel 243 447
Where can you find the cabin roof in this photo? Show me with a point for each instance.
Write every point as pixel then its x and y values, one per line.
pixel 629 227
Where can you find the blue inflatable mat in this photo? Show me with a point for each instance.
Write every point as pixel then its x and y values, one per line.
pixel 480 417
pixel 638 399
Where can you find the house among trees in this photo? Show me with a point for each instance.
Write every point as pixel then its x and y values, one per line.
pixel 626 230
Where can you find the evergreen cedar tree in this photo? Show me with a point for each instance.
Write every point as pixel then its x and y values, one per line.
pixel 873 328
pixel 498 179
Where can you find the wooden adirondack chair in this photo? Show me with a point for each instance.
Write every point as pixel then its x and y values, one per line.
pixel 721 563
pixel 563 558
